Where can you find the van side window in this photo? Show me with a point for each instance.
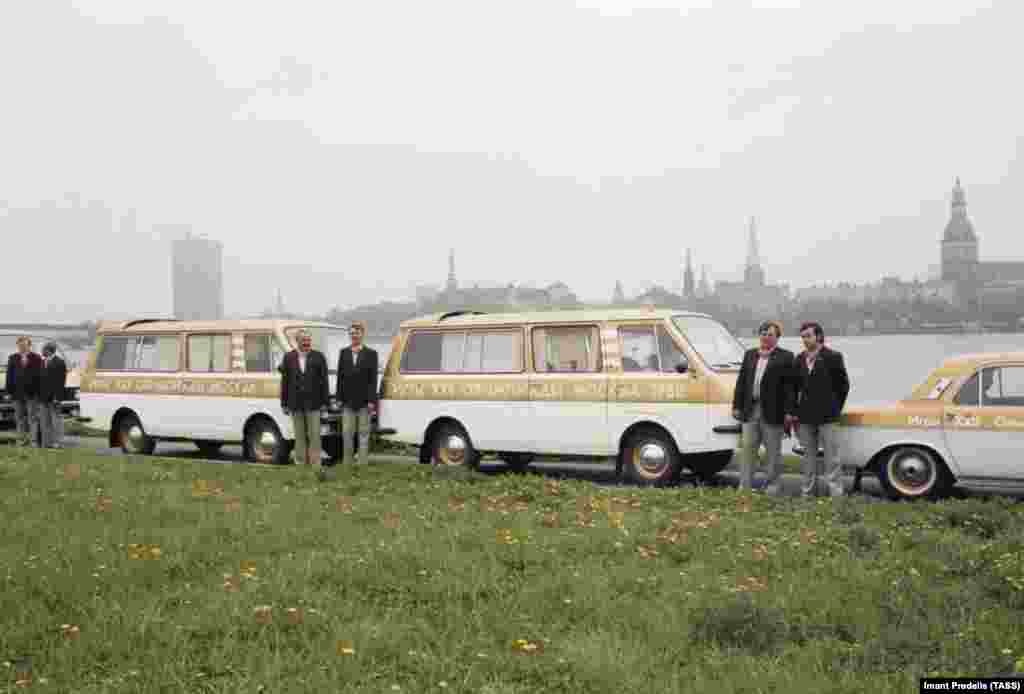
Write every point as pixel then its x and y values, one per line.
pixel 157 353
pixel 639 349
pixel 117 353
pixel 257 354
pixel 208 353
pixel 473 351
pixel 671 355
pixel 422 353
pixel 566 349
pixel 501 352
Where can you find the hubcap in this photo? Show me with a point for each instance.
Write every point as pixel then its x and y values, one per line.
pixel 650 460
pixel 453 451
pixel 265 445
pixel 911 473
pixel 135 437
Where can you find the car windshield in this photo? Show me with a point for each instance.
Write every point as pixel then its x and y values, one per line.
pixel 328 341
pixel 713 342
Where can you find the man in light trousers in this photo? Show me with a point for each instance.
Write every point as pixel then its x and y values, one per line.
pixel 822 386
pixel 357 393
pixel 24 376
pixel 305 392
pixel 764 401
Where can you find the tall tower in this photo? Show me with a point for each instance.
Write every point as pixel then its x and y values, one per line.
pixel 705 284
pixel 618 296
pixel 753 274
pixel 688 280
pixel 452 285
pixel 197 275
pixel 959 242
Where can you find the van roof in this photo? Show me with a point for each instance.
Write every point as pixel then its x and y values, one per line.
pixel 586 315
pixel 164 325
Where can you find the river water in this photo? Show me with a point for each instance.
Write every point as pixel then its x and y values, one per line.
pixel 884 367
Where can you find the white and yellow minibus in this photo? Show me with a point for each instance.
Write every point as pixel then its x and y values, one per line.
pixel 210 382
pixel 648 388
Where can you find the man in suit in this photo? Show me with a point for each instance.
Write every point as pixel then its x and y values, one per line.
pixel 357 393
pixel 822 385
pixel 305 392
pixel 764 400
pixel 24 371
pixel 51 392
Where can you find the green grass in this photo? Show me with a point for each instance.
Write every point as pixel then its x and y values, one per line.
pixel 877 596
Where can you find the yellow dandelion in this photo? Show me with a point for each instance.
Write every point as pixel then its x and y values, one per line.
pixel 616 519
pixel 345 647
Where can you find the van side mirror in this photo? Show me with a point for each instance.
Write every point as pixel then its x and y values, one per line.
pixel 682 367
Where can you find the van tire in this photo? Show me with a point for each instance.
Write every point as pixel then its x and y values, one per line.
pixel 913 472
pixel 132 436
pixel 663 459
pixel 264 443
pixel 445 448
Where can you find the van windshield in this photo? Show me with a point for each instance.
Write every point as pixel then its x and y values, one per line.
pixel 712 341
pixel 329 341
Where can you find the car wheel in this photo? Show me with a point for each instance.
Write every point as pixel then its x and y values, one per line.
pixel 706 465
pixel 264 443
pixel 133 438
pixel 910 472
pixel 210 449
pixel 451 447
pixel 650 458
pixel 517 462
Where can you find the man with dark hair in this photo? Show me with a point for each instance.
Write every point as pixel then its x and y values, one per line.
pixel 357 393
pixel 51 391
pixel 305 391
pixel 24 372
pixel 764 400
pixel 822 386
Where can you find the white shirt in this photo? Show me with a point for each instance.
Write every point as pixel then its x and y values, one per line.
pixel 355 356
pixel 302 361
pixel 762 364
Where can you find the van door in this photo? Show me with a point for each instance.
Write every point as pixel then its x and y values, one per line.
pixel 658 383
pixel 568 391
pixel 984 425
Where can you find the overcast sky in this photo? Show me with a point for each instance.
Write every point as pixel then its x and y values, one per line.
pixel 339 149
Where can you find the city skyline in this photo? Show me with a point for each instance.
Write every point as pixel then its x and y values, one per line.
pixel 840 129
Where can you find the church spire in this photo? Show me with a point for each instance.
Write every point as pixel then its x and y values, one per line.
pixel 753 253
pixel 452 284
pixel 688 280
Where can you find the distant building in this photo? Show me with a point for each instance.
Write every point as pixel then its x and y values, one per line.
pixel 976 282
pixel 753 292
pixel 618 295
pixel 197 276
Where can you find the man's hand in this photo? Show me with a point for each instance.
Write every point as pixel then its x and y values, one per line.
pixel 372 408
pixel 787 424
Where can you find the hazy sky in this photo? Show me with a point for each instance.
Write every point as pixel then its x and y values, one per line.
pixel 338 149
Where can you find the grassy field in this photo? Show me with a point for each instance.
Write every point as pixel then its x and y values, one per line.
pixel 156 575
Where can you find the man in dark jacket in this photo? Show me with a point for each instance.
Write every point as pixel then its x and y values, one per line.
pixel 357 393
pixel 24 371
pixel 822 385
pixel 51 392
pixel 305 392
pixel 764 401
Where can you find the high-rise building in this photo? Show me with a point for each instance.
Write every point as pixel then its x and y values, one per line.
pixel 197 275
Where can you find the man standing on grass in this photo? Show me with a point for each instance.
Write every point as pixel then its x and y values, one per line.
pixel 357 393
pixel 764 401
pixel 822 386
pixel 24 373
pixel 51 392
pixel 305 392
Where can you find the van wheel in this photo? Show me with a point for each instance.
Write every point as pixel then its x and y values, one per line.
pixel 264 443
pixel 210 449
pixel 133 437
pixel 910 472
pixel 650 458
pixel 451 447
pixel 706 465
pixel 517 462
